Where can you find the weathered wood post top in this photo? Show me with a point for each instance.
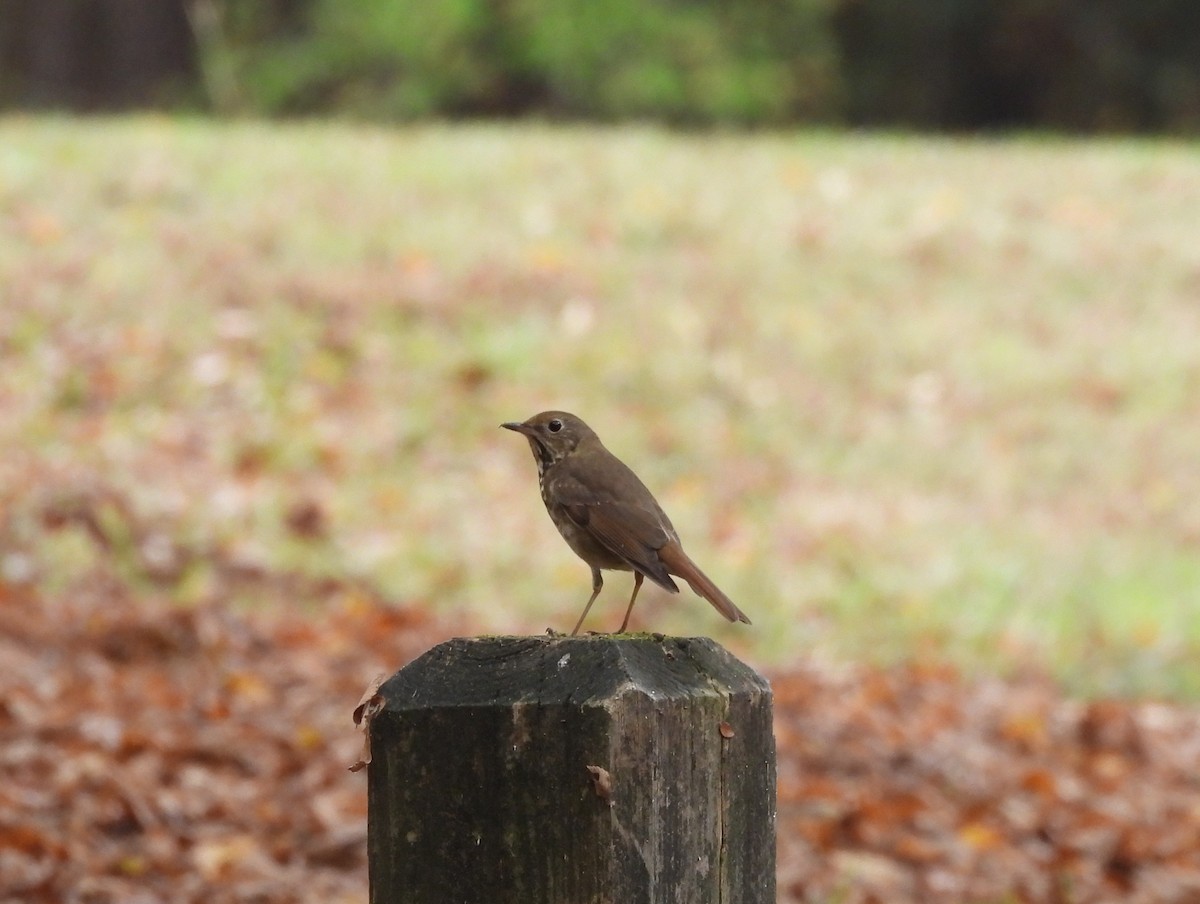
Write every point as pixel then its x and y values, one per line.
pixel 573 770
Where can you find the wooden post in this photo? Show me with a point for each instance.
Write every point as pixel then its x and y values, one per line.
pixel 573 770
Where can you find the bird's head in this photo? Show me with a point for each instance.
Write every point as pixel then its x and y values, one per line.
pixel 552 435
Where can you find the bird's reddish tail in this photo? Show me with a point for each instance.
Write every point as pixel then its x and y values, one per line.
pixel 680 565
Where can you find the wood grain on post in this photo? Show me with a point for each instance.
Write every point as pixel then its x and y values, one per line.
pixel 583 770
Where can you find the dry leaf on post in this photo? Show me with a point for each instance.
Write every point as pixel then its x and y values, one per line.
pixel 601 780
pixel 369 704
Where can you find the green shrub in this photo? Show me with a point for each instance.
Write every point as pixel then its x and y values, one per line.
pixel 698 61
pixel 375 58
pixel 701 61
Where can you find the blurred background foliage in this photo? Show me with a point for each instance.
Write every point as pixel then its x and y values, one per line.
pixel 1079 65
pixel 950 386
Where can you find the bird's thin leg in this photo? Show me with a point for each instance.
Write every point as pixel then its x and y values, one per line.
pixel 597 583
pixel 637 585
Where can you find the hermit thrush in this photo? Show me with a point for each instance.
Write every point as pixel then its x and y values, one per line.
pixel 606 514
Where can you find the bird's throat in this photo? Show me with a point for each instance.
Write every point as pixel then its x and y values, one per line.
pixel 542 454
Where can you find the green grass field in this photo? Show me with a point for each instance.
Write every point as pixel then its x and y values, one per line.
pixel 903 397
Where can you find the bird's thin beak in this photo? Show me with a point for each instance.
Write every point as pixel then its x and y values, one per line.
pixel 520 428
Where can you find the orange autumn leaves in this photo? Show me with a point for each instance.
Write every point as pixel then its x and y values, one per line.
pixel 158 754
pixel 915 785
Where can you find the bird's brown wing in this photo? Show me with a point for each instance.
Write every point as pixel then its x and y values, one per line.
pixel 627 531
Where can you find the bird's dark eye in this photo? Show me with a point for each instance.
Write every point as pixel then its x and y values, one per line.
pixel 554 426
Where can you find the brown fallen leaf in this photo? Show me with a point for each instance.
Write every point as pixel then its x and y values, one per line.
pixel 369 704
pixel 601 780
pixel 307 519
pixel 367 697
pixel 217 858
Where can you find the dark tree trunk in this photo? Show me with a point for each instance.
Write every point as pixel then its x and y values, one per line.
pixel 95 54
